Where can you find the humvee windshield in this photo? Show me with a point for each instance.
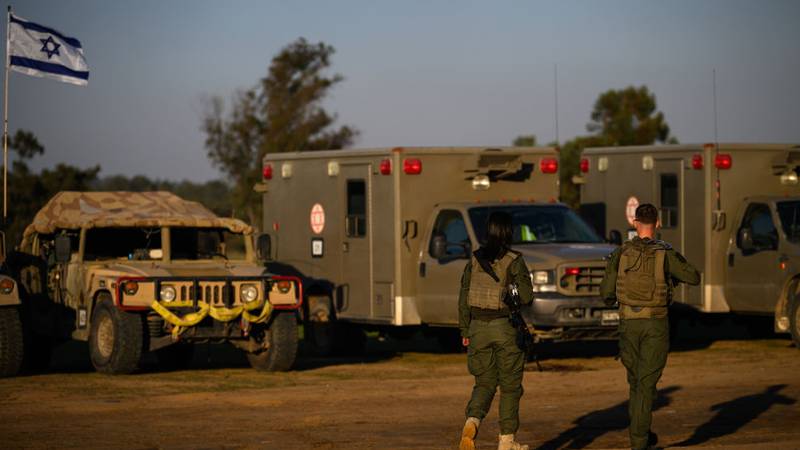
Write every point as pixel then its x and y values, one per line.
pixel 206 243
pixel 123 242
pixel 789 213
pixel 537 224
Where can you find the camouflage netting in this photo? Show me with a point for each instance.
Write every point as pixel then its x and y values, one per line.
pixel 74 210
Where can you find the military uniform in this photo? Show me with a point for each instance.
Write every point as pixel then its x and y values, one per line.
pixel 493 357
pixel 639 275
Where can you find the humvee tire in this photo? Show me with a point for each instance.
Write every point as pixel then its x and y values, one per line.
pixel 281 337
pixel 794 321
pixel 115 339
pixel 175 357
pixel 11 343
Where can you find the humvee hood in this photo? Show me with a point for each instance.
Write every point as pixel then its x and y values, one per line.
pixel 547 255
pixel 75 210
pixel 174 270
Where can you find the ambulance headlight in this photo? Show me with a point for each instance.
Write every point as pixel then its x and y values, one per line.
pixel 167 293
pixel 249 293
pixel 543 280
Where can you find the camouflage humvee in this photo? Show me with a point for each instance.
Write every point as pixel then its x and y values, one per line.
pixel 136 272
pixel 11 344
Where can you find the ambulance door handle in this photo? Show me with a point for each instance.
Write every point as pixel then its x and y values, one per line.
pixel 730 259
pixel 422 270
pixel 345 247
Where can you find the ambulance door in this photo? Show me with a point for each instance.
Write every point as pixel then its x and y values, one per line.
pixel 440 277
pixel 753 279
pixel 668 184
pixel 357 242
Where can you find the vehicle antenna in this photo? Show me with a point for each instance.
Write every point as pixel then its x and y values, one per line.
pixel 555 83
pixel 716 136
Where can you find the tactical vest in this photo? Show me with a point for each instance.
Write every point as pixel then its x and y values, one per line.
pixel 640 278
pixel 484 292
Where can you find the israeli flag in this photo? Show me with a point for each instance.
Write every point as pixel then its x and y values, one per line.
pixel 40 51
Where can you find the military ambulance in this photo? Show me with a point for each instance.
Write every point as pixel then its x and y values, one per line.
pixel 11 339
pixel 733 210
pixel 381 237
pixel 132 272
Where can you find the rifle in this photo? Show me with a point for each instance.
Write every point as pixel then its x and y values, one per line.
pixel 525 341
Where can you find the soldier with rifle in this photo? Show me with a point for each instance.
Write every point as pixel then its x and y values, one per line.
pixel 493 357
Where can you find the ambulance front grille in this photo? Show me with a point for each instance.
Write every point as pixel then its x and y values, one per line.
pixel 586 282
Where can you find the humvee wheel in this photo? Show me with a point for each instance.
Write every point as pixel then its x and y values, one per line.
pixel 11 343
pixel 280 340
pixel 794 321
pixel 115 339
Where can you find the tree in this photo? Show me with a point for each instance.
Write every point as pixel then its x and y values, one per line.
pixel 282 113
pixel 628 117
pixel 525 140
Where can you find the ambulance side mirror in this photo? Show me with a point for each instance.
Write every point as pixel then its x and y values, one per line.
pixel 264 247
pixel 615 237
pixel 745 239
pixel 63 249
pixel 439 246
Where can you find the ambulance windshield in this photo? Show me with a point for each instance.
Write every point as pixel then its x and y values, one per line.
pixel 537 224
pixel 789 213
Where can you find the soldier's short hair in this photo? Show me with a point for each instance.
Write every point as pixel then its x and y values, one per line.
pixel 647 213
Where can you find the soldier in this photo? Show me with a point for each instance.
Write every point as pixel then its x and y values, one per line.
pixel 493 357
pixel 640 275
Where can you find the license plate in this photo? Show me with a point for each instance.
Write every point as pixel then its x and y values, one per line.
pixel 609 317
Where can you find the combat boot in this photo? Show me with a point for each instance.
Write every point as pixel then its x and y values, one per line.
pixel 468 433
pixel 507 442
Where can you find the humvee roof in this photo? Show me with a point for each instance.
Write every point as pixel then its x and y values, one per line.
pixel 74 210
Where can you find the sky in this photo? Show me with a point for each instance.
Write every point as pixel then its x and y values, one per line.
pixel 415 72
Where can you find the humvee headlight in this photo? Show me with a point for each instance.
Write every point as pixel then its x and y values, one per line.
pixel 249 293
pixel 168 293
pixel 6 285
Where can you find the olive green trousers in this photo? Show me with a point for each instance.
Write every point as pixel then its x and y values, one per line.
pixel 643 348
pixel 494 359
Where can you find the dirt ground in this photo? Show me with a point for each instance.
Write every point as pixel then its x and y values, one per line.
pixel 720 390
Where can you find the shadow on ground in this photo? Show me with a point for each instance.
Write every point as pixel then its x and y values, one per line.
pixel 588 427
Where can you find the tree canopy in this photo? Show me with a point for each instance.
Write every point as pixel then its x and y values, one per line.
pixel 628 117
pixel 282 113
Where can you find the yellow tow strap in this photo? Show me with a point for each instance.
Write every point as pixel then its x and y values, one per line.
pixel 221 314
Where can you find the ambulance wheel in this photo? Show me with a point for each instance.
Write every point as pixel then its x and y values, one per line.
pixel 11 343
pixel 116 338
pixel 279 338
pixel 794 321
pixel 175 357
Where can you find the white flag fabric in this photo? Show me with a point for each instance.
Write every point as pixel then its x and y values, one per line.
pixel 41 51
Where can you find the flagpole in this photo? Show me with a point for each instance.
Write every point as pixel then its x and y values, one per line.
pixel 5 118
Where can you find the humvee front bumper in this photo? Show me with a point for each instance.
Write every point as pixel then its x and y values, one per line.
pixel 560 317
pixel 193 299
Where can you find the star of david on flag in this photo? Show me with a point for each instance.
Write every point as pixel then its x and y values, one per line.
pixel 41 51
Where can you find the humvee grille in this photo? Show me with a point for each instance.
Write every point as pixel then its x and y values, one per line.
pixel 585 282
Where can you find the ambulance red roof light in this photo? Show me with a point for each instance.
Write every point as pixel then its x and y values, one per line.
pixel 548 165
pixel 697 161
pixel 386 167
pixel 723 161
pixel 267 172
pixel 584 165
pixel 412 166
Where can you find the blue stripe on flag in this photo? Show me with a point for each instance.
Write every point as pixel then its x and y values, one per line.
pixel 42 29
pixel 48 67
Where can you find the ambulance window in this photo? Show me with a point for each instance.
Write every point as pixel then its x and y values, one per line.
pixel 669 200
pixel 758 219
pixel 450 224
pixel 356 220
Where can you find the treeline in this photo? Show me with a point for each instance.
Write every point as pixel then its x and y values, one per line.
pixel 28 191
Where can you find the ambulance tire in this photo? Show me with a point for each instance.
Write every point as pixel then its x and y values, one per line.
pixel 11 343
pixel 794 320
pixel 349 340
pixel 281 344
pixel 116 338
